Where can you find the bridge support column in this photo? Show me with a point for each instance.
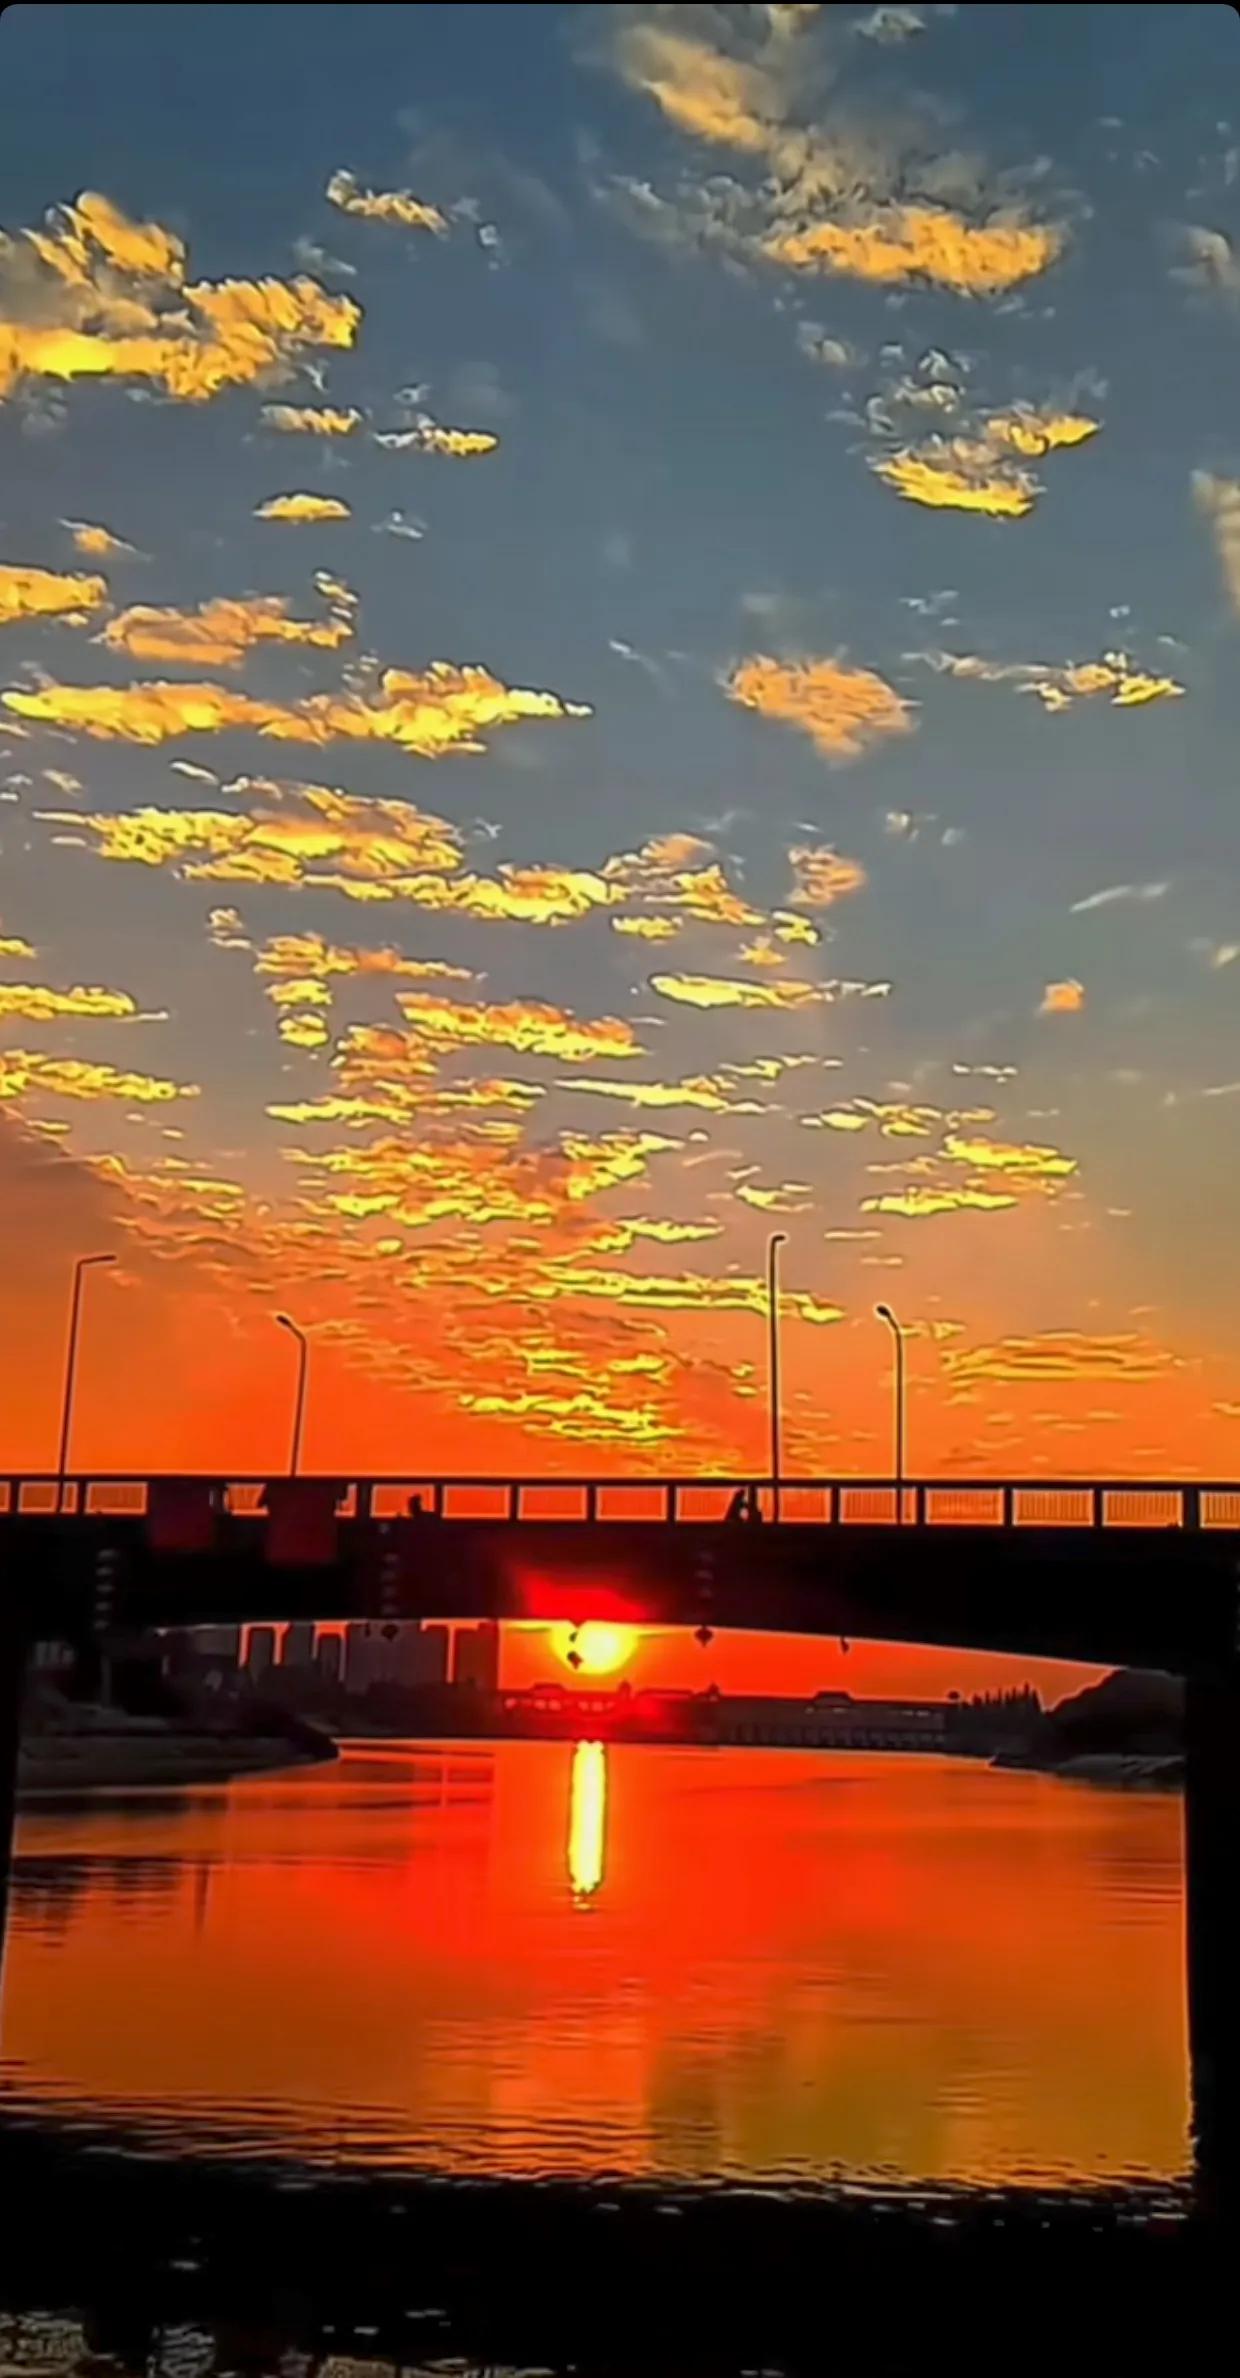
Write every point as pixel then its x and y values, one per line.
pixel 13 1647
pixel 1212 1916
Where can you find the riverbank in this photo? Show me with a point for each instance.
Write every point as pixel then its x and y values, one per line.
pixel 1117 1771
pixel 68 1747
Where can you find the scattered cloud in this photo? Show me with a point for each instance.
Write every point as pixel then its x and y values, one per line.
pixel 221 632
pixel 1063 999
pixel 384 206
pixel 987 1155
pixel 441 709
pixel 21 1072
pixel 843 710
pixel 981 469
pixel 317 421
pixel 900 245
pixel 1139 893
pixel 712 990
pixel 69 597
pixel 36 1003
pixel 1208 262
pixel 919 1203
pixel 302 508
pixel 534 1027
pixel 95 295
pixel 92 539
pixel 821 876
pixel 432 437
pixel 1113 678
pixel 710 1091
pixel 1061 1354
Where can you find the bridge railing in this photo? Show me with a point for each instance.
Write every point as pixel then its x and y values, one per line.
pixel 820 1502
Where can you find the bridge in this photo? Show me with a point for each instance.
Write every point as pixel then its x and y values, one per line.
pixel 1119 1572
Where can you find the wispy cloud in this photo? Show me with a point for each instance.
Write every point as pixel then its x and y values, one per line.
pixel 1219 502
pixel 1113 678
pixel 398 207
pixel 220 633
pixel 22 1072
pixel 1061 1354
pixel 318 421
pixel 712 990
pixel 434 437
pixel 96 541
pixel 37 1003
pixel 1138 893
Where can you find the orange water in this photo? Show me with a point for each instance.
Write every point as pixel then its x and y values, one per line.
pixel 534 1959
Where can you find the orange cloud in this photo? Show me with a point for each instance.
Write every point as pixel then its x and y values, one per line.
pixel 308 956
pixel 97 295
pixel 1063 999
pixel 398 1101
pixel 72 1077
pixel 92 538
pixel 533 1027
pixel 842 710
pixel 431 437
pixel 898 244
pixel 35 1003
pixel 302 508
pixel 822 876
pixel 932 475
pixel 316 421
pixel 1061 1354
pixel 644 928
pixel 384 206
pixel 219 633
pixel 48 594
pixel 667 1292
pixel 304 1030
pixel 1057 687
pixel 296 832
pixel 443 708
pixel 472 1179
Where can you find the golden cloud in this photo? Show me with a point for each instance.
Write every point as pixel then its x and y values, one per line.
pixel 399 1100
pixel 304 1030
pixel 72 1077
pixel 471 1180
pixel 1061 1355
pixel 822 876
pixel 95 294
pixel 432 437
pixel 977 473
pixel 989 1155
pixel 90 537
pixel 842 710
pixel 307 956
pixel 645 928
pixel 532 1026
pixel 14 945
pixel 297 832
pixel 1219 502
pixel 712 990
pixel 48 594
pixel 302 507
pixel 1063 999
pixel 918 1203
pixel 668 1292
pixel 384 206
pixel 701 90
pixel 899 244
pixel 444 708
pixel 220 632
pixel 1057 687
pixel 35 1003
pixel 786 1197
pixel 583 1415
pixel 316 421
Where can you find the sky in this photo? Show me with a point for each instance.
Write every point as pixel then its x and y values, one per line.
pixel 618 632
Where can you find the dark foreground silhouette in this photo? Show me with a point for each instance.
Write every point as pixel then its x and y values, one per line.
pixel 271 2262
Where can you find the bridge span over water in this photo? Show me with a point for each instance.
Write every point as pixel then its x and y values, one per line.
pixel 1127 1572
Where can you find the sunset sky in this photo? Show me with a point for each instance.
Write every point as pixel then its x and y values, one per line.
pixel 618 629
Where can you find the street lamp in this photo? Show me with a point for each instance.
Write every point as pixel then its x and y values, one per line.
pixel 81 1267
pixel 299 1409
pixel 777 1239
pixel 884 1313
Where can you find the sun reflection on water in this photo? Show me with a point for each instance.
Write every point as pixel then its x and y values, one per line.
pixel 587 1819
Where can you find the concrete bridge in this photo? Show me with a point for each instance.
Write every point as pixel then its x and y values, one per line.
pixel 1125 1572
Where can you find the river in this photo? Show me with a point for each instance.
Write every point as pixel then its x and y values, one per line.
pixel 537 1960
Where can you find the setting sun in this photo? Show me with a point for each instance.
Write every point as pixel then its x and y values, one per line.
pixel 595 1649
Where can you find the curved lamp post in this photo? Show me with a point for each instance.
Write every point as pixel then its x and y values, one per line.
pixel 84 1264
pixel 285 1321
pixel 884 1313
pixel 777 1239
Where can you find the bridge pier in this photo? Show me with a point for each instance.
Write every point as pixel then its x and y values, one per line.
pixel 1212 1921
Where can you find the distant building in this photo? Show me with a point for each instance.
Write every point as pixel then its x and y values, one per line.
pixel 298 1649
pixel 260 1652
pixel 403 1653
pixel 475 1657
pixel 329 1658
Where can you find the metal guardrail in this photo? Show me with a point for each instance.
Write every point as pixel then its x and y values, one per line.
pixel 833 1502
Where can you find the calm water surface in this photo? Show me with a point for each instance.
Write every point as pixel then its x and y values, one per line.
pixel 740 1965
